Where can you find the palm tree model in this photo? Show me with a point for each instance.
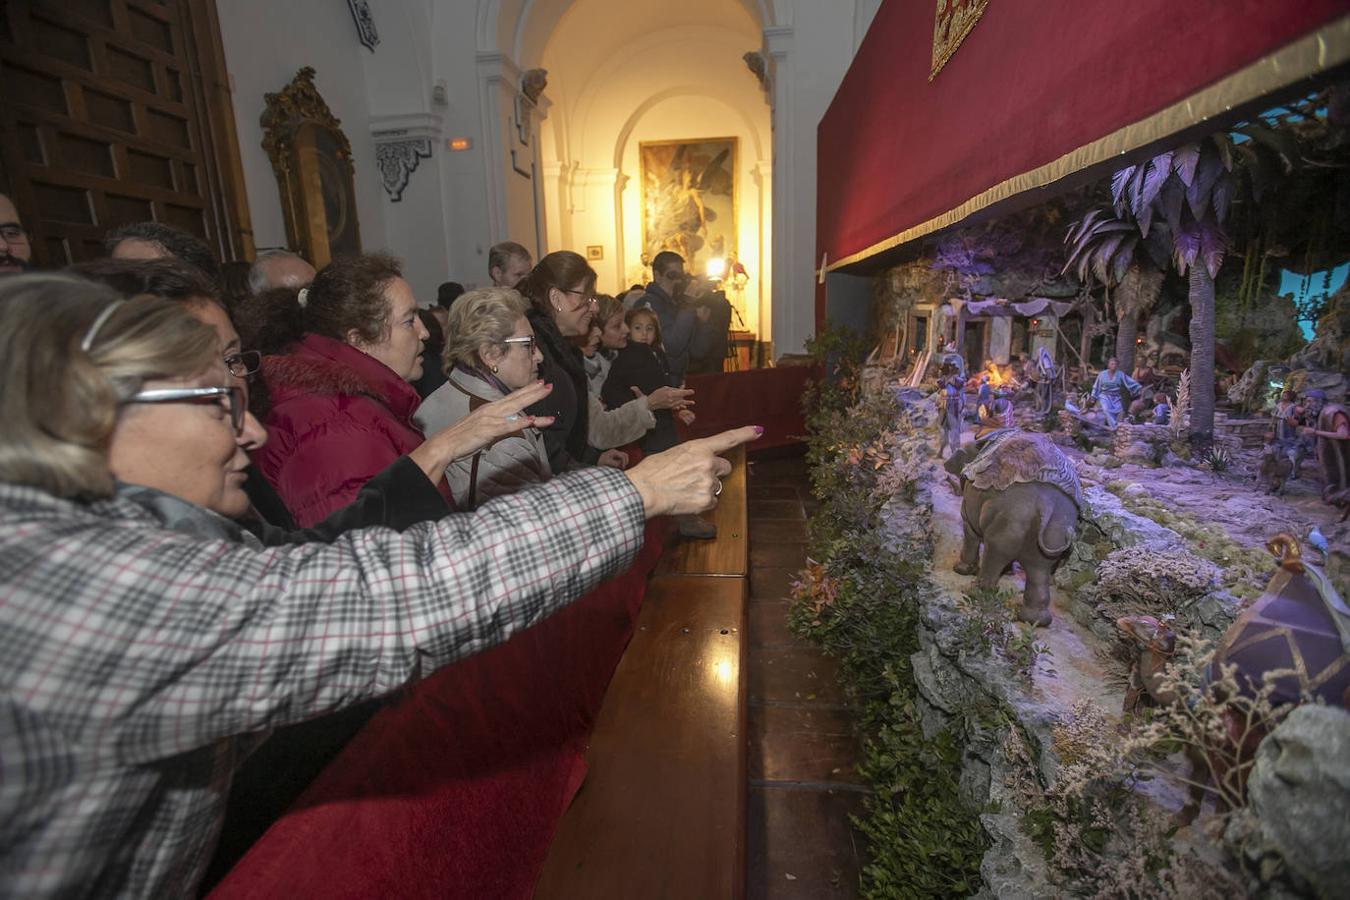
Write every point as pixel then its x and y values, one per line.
pixel 1108 248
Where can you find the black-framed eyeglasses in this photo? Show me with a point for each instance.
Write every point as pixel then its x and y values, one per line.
pixel 528 342
pixel 236 401
pixel 14 234
pixel 244 363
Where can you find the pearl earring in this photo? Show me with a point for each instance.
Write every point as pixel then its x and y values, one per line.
pixel 494 369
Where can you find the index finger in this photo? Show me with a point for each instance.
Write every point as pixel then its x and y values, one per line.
pixel 720 443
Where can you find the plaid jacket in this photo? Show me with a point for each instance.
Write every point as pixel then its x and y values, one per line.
pixel 137 663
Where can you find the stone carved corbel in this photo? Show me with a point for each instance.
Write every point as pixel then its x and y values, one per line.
pixel 758 64
pixel 532 84
pixel 397 161
pixel 401 143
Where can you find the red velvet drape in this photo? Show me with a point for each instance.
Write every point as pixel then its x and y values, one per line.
pixel 768 397
pixel 456 789
pixel 1031 83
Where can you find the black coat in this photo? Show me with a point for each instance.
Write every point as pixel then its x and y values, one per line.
pixel 638 365
pixel 564 367
pixel 711 353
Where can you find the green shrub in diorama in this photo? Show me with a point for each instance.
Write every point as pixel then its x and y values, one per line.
pixel 860 606
pixel 859 602
pixel 989 627
pixel 1243 572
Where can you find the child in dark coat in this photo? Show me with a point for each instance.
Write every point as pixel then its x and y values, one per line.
pixel 642 364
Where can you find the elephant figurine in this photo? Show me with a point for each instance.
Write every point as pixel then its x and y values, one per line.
pixel 1020 498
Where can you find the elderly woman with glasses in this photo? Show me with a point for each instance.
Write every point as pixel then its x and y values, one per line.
pixel 489 353
pixel 561 292
pixel 147 640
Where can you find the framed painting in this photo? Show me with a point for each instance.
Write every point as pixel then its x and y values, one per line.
pixel 312 160
pixel 689 199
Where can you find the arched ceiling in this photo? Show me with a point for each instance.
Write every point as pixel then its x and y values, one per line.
pixel 607 25
pixel 522 28
pixel 608 57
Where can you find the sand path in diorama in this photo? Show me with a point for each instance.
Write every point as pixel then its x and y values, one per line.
pixel 1074 670
pixel 1233 500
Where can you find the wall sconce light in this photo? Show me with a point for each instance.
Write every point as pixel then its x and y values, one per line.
pixel 460 143
pixel 717 268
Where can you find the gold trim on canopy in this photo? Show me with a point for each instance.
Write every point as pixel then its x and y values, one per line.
pixel 1325 48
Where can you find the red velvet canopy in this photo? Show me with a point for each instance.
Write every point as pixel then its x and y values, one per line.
pixel 1036 92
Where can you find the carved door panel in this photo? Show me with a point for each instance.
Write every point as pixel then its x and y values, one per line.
pixel 116 111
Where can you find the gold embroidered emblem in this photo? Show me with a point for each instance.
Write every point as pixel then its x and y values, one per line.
pixel 954 20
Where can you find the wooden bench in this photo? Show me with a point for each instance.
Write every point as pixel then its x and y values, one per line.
pixel 662 810
pixel 729 553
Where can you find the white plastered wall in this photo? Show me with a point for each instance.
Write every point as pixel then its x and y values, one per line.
pixel 266 43
pixel 458 203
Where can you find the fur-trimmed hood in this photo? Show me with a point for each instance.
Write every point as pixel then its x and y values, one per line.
pixel 325 367
pixel 338 418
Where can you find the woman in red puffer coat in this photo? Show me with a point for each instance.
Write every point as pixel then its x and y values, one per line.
pixel 342 354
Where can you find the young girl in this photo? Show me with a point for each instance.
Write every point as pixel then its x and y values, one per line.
pixel 642 364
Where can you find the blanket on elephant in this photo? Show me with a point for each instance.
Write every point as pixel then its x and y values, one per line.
pixel 1013 456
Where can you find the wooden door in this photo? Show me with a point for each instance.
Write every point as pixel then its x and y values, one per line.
pixel 116 111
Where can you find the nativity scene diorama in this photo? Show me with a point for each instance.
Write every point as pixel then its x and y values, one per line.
pixel 1111 431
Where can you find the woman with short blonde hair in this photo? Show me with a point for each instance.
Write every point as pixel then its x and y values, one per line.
pixel 489 352
pixel 486 316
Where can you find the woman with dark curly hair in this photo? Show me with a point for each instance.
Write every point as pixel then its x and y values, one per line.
pixel 342 354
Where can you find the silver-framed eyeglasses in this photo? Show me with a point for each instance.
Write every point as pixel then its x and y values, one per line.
pixel 587 299
pixel 232 398
pixel 244 363
pixel 527 341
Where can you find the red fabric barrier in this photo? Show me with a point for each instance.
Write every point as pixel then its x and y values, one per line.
pixel 768 397
pixel 1030 83
pixel 456 789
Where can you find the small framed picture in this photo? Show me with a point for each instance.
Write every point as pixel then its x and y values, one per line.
pixel 595 251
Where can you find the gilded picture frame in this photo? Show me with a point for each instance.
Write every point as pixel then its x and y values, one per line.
pixel 312 160
pixel 689 199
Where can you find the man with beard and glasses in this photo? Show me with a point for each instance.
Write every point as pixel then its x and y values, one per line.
pixel 16 254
